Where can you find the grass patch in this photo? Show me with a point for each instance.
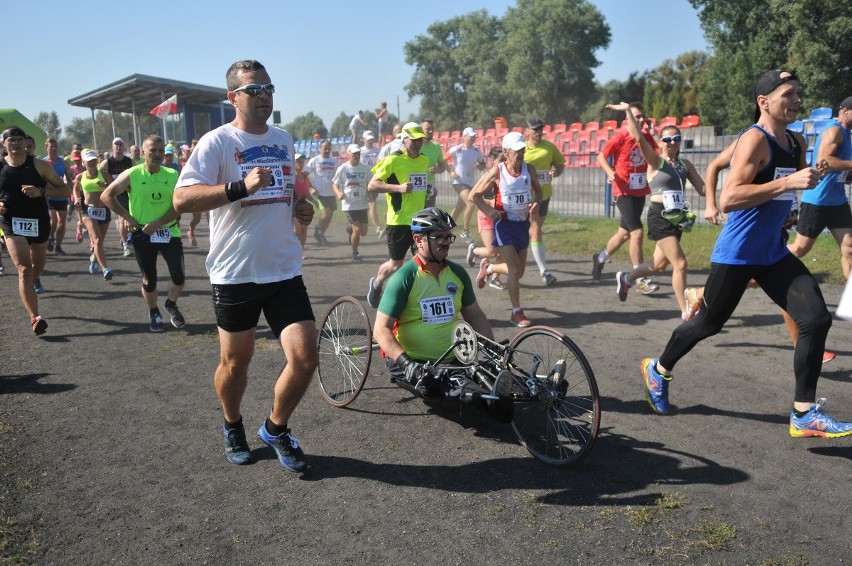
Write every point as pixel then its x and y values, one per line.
pixel 585 236
pixel 713 535
pixel 640 517
pixel 670 501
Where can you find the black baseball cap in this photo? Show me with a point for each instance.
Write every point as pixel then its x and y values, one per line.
pixel 13 131
pixel 534 124
pixel 847 103
pixel 769 81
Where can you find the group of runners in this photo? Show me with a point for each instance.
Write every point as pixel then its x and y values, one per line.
pixel 38 196
pixel 257 190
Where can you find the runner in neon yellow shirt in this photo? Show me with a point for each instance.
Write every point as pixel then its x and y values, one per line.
pixel 437 163
pixel 402 176
pixel 549 163
pixel 152 223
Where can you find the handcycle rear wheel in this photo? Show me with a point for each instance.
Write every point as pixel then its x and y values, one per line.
pixel 556 405
pixel 345 344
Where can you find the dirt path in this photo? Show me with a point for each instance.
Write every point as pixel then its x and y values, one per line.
pixel 111 451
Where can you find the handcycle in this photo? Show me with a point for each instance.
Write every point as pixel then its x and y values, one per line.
pixel 541 374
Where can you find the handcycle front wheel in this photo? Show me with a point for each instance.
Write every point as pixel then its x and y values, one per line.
pixel 556 405
pixel 345 344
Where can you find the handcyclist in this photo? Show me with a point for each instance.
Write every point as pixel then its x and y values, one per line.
pixel 421 303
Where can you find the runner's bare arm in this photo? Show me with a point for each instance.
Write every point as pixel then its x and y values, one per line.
pixel 482 186
pixel 695 178
pixel 115 188
pixel 473 314
pixel 720 162
pixel 750 156
pixel 56 186
pixel 376 185
pixel 652 158
pixel 383 334
pixel 831 141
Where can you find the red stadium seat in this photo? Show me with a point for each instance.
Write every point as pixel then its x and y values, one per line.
pixel 559 127
pixel 668 121
pixel 611 124
pixel 690 121
pixel 592 126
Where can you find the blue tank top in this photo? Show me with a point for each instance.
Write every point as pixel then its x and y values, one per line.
pixel 830 190
pixel 753 236
pixel 59 167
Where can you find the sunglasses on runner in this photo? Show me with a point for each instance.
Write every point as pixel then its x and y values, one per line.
pixel 670 139
pixel 255 89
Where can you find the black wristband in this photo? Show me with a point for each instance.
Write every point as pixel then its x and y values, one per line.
pixel 403 360
pixel 236 191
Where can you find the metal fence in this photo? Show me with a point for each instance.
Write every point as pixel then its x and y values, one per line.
pixel 582 191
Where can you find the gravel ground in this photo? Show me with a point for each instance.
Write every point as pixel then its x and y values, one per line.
pixel 111 447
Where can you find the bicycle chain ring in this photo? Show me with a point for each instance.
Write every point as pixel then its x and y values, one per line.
pixel 466 346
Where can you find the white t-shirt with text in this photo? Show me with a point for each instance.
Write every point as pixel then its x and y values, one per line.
pixel 465 160
pixel 321 169
pixel 252 239
pixel 352 180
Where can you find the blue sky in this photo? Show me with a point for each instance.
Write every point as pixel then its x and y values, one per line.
pixel 324 57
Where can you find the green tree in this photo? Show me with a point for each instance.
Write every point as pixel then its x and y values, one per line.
pixel 807 37
pixel 537 60
pixel 305 126
pixel 550 52
pixel 821 50
pixel 340 126
pixel 613 91
pixel 452 61
pixel 672 88
pixel 49 122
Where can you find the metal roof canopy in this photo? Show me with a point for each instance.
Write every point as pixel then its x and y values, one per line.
pixel 138 94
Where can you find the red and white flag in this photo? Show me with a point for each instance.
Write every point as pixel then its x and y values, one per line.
pixel 168 106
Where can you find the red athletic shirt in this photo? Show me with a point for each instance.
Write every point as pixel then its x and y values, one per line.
pixel 628 161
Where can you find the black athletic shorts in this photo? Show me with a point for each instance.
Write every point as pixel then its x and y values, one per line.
pixel 328 202
pixel 400 242
pixel 814 219
pixel 43 228
pixel 283 303
pixel 630 209
pixel 543 206
pixel 659 227
pixel 357 216
pixel 57 204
